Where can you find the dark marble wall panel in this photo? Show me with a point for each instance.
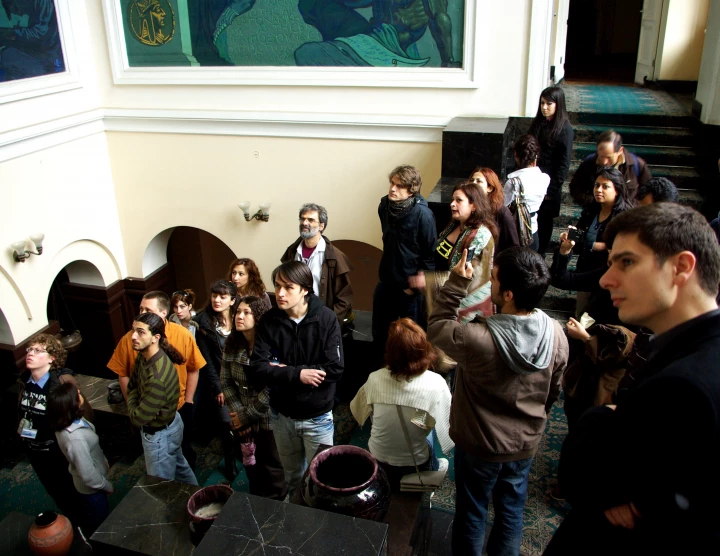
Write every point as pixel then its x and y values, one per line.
pixel 471 142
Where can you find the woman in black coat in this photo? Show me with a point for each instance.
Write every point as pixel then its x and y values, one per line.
pixel 611 198
pixel 551 127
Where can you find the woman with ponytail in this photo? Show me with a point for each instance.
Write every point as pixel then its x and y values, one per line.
pixel 152 400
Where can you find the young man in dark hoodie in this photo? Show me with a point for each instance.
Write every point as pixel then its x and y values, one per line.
pixel 409 239
pixel 508 376
pixel 298 354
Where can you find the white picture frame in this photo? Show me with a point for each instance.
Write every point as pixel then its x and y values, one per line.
pixel 445 78
pixel 20 89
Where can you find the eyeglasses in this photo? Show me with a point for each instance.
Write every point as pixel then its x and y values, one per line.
pixel 181 293
pixel 34 351
pixel 310 220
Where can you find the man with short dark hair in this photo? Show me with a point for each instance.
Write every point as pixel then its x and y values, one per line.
pixel 330 267
pixel 640 477
pixel 409 238
pixel 508 376
pixel 298 354
pixel 657 190
pixel 610 152
pixel 123 361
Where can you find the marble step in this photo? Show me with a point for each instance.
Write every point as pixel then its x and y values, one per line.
pixel 666 156
pixel 631 120
pixel 683 177
pixel 657 136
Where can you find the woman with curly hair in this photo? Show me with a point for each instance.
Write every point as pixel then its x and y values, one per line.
pixel 248 407
pixel 182 302
pixel 489 183
pixel 245 275
pixel 471 227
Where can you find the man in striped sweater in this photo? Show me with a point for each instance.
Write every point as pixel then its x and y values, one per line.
pixel 152 399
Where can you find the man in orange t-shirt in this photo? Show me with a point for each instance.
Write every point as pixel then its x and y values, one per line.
pixel 123 360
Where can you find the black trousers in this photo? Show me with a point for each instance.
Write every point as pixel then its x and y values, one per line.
pixel 51 467
pixel 266 477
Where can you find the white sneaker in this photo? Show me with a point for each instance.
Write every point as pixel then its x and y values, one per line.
pixel 444 464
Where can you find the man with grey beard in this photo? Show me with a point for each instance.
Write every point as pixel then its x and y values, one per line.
pixel 330 267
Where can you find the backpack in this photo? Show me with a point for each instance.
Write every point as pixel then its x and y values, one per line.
pixel 520 213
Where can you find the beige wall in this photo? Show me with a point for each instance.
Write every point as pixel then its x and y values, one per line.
pixel 680 52
pixel 708 89
pixel 103 197
pixel 67 193
pixel 163 181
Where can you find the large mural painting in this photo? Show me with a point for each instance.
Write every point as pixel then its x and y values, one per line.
pixel 30 43
pixel 348 33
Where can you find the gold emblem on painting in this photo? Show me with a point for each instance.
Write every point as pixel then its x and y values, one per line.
pixel 152 21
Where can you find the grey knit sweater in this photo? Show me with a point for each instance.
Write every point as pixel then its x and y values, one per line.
pixel 88 465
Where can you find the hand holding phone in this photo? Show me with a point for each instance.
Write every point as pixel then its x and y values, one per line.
pixel 573 234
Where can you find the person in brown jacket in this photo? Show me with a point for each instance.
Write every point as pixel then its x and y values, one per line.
pixel 510 366
pixel 330 267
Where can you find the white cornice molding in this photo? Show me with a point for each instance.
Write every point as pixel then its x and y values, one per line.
pixel 352 127
pixel 27 140
pixel 422 129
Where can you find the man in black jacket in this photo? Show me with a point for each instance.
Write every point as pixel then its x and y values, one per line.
pixel 298 354
pixel 409 240
pixel 641 477
pixel 610 152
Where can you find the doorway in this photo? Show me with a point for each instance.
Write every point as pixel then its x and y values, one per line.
pixel 602 40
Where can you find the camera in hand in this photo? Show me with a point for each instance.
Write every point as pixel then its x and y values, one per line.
pixel 573 234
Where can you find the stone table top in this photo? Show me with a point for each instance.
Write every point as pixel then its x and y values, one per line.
pixel 253 525
pixel 95 391
pixel 151 519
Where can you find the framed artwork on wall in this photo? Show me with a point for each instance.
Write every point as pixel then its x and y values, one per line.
pixel 292 42
pixel 36 49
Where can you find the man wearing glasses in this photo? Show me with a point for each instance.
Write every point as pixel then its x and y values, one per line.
pixel 123 361
pixel 329 266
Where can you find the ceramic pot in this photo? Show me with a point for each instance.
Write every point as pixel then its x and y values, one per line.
pixel 50 535
pixel 211 497
pixel 347 480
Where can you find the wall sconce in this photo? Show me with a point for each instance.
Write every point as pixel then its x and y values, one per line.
pixel 262 214
pixel 19 251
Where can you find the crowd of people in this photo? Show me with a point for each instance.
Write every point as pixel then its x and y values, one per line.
pixel 466 358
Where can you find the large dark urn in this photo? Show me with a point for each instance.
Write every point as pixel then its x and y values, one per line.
pixel 347 480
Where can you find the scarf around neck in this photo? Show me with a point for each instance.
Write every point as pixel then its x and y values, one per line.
pixel 399 207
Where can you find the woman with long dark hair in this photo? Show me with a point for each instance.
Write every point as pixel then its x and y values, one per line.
pixel 245 274
pixel 534 182
pixel 489 183
pixel 471 227
pixel 81 446
pixel 215 325
pixel 611 198
pixel 553 130
pixel 423 397
pixel 248 407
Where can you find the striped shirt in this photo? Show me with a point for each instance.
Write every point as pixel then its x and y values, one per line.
pixel 153 391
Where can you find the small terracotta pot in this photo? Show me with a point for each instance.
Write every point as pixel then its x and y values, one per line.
pixel 50 535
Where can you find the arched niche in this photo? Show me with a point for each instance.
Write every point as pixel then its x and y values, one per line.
pixel 365 259
pixel 6 336
pixel 194 257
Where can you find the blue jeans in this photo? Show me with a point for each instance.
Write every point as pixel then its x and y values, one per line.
pixel 297 441
pixel 476 482
pixel 163 454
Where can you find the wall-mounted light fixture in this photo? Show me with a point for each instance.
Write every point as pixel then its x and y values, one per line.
pixel 262 214
pixel 19 251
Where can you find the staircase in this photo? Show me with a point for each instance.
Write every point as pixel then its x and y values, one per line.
pixel 668 144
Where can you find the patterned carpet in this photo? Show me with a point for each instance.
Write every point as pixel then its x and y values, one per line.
pixel 617 99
